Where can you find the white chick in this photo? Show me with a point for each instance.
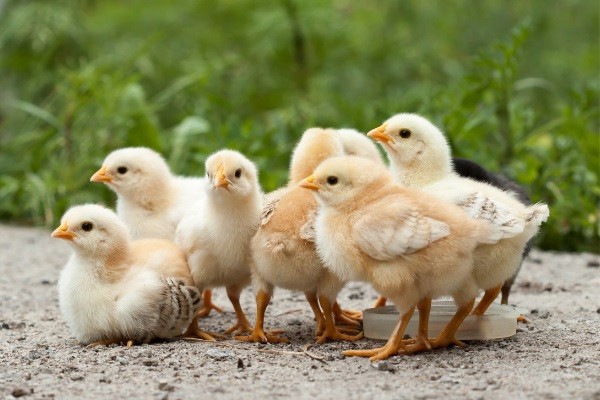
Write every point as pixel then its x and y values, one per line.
pixel 150 199
pixel 283 249
pixel 114 290
pixel 410 246
pixel 216 236
pixel 420 158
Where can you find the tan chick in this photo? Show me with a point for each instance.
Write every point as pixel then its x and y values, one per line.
pixel 150 199
pixel 216 235
pixel 410 246
pixel 283 249
pixel 420 158
pixel 116 290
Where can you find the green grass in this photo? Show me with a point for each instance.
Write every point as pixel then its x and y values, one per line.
pixel 514 84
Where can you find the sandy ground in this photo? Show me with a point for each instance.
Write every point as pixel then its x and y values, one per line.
pixel 557 355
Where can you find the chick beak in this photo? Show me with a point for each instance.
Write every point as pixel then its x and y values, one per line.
pixel 309 183
pixel 102 175
pixel 221 180
pixel 63 232
pixel 380 135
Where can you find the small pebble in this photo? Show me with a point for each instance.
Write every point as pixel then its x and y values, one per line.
pixel 20 391
pixel 384 365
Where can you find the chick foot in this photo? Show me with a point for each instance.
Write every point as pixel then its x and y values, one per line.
pixel 523 319
pixel 417 345
pixel 240 327
pixel 335 335
pixel 107 342
pixel 207 305
pixel 195 332
pixel 444 341
pixel 346 317
pixel 379 353
pixel 260 336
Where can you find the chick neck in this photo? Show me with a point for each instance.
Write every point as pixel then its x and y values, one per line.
pixel 108 262
pixel 157 194
pixel 235 207
pixel 422 171
pixel 315 146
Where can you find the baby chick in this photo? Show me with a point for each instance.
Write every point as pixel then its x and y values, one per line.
pixel 283 249
pixel 470 169
pixel 150 199
pixel 216 236
pixel 410 246
pixel 113 289
pixel 420 157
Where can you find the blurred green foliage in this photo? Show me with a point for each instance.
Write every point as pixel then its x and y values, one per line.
pixel 514 84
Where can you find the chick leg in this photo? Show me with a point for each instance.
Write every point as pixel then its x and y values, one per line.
pixel 195 331
pixel 311 297
pixel 488 298
pixel 393 345
pixel 380 302
pixel 421 342
pixel 258 334
pixel 207 304
pixel 446 337
pixel 346 317
pixel 331 331
pixel 242 325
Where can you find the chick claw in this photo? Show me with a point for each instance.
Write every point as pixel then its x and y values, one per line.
pixel 240 327
pixel 107 342
pixel 260 336
pixel 444 341
pixel 417 345
pixel 377 354
pixel 335 334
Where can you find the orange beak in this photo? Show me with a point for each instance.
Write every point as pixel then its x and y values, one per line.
pixel 222 180
pixel 380 135
pixel 102 175
pixel 63 232
pixel 309 183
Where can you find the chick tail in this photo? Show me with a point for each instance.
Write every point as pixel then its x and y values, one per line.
pixel 537 213
pixel 180 305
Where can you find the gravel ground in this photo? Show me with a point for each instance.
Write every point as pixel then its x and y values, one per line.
pixel 555 356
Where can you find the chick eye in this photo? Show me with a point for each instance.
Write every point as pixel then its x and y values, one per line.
pixel 122 170
pixel 238 173
pixel 332 180
pixel 87 226
pixel 404 133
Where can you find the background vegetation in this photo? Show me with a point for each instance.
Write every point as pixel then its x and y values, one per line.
pixel 514 84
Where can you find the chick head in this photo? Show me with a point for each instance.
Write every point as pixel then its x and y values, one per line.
pixel 92 229
pixel 409 137
pixel 355 143
pixel 132 170
pixel 230 173
pixel 339 180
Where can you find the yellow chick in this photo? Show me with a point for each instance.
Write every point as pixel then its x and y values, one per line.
pixel 283 249
pixel 420 157
pixel 116 290
pixel 410 246
pixel 216 235
pixel 150 199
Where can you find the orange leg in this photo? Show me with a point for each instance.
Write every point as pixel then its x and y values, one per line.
pixel 311 297
pixel 258 334
pixel 207 304
pixel 346 317
pixel 380 302
pixel 242 325
pixel 393 345
pixel 488 298
pixel 446 337
pixel 421 342
pixel 195 331
pixel 331 331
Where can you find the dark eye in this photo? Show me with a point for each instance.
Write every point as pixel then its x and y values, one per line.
pixel 404 133
pixel 122 170
pixel 87 226
pixel 332 180
pixel 238 173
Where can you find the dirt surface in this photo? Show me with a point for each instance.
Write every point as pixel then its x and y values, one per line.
pixel 557 355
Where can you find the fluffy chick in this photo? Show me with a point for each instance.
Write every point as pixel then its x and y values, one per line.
pixel 113 289
pixel 420 157
pixel 150 199
pixel 283 249
pixel 470 169
pixel 216 236
pixel 410 246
